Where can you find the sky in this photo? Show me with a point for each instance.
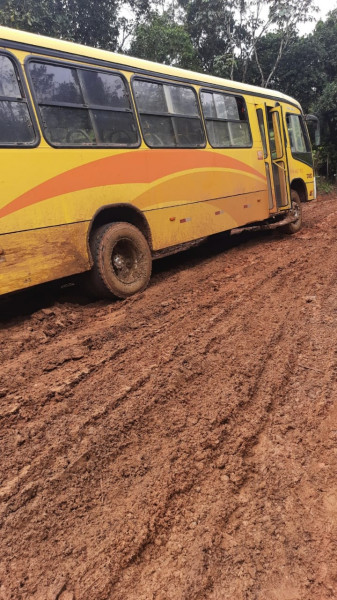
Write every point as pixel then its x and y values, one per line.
pixel 324 6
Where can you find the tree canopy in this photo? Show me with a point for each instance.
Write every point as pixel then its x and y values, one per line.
pixel 161 39
pixel 81 21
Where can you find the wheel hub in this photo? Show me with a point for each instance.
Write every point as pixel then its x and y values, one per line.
pixel 118 261
pixel 125 259
pixel 295 210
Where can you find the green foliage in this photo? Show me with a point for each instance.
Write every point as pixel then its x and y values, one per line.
pixel 260 18
pixel 210 24
pixel 298 73
pixel 325 39
pixel 225 65
pixel 162 40
pixel 325 159
pixel 324 104
pixel 327 101
pixel 227 38
pixel 80 21
pixel 324 186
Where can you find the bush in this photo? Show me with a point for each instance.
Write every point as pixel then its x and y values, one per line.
pixel 324 186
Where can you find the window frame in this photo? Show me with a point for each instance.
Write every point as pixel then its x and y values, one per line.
pixel 225 93
pixel 304 157
pixel 25 99
pixel 262 130
pixel 199 116
pixel 86 107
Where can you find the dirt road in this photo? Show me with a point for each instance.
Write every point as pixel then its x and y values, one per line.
pixel 181 444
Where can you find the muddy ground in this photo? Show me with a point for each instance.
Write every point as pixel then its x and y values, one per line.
pixel 181 444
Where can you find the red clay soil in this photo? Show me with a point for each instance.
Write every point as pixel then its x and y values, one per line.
pixel 181 444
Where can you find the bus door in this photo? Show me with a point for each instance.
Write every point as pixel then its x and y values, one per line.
pixel 272 135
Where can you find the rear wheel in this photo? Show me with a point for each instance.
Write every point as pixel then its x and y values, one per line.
pixel 296 213
pixel 122 261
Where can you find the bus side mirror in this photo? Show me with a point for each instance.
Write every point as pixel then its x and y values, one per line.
pixel 314 129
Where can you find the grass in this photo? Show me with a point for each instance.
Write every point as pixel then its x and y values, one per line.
pixel 324 186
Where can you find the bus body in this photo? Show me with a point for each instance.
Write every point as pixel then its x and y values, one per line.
pixel 106 160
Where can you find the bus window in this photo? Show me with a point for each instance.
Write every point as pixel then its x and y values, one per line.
pixel 262 131
pixel 271 134
pixel 313 129
pixel 297 135
pixel 16 127
pixel 168 114
pixel 277 135
pixel 298 138
pixel 83 107
pixel 226 120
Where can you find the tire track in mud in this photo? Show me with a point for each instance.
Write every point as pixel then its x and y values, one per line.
pixel 149 475
pixel 234 451
pixel 80 348
pixel 286 378
pixel 241 415
pixel 69 381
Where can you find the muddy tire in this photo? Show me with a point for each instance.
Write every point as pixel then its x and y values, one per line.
pixel 122 261
pixel 218 241
pixel 296 210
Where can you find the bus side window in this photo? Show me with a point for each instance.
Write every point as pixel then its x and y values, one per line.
pixel 298 137
pixel 226 120
pixel 262 131
pixel 16 127
pixel 271 134
pixel 83 107
pixel 169 115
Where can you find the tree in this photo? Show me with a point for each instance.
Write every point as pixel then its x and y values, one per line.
pixel 76 20
pixel 227 34
pixel 298 73
pixel 165 41
pixel 325 38
pixel 260 18
pixel 325 104
pixel 210 25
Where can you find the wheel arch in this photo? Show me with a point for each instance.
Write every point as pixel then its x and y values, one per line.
pixel 299 186
pixel 113 213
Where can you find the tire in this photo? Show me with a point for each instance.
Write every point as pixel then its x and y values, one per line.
pixel 296 210
pixel 122 261
pixel 218 241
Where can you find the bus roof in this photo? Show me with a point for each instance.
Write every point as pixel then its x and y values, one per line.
pixel 33 42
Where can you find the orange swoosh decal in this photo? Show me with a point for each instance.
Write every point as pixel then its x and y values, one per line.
pixel 138 166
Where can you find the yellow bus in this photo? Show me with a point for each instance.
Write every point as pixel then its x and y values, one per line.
pixel 108 161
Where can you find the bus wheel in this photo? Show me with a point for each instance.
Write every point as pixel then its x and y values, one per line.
pixel 295 211
pixel 122 261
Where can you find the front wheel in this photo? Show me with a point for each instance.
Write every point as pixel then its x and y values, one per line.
pixel 296 213
pixel 122 261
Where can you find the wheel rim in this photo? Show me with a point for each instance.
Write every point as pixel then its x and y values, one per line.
pixel 126 261
pixel 295 210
